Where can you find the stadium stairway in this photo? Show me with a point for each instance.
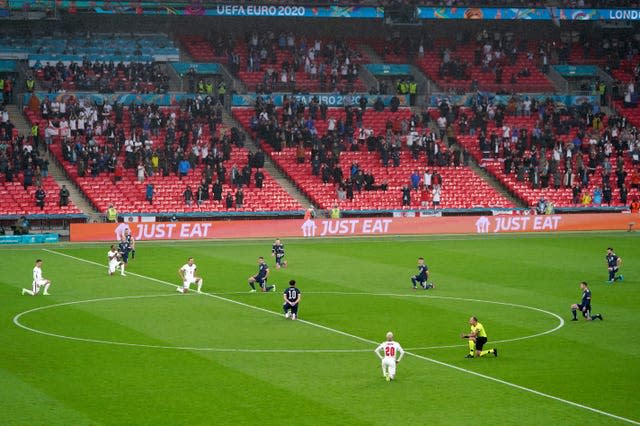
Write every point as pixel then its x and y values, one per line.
pixel 276 173
pixel 55 170
pixel 367 50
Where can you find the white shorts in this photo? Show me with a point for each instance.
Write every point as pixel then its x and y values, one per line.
pixel 188 282
pixel 113 265
pixel 389 365
pixel 37 284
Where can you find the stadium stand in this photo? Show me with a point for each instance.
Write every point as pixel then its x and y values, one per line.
pixel 554 156
pixel 486 65
pixel 22 171
pixel 459 187
pixel 116 167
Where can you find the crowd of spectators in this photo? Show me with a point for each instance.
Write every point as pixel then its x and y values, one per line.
pixel 282 57
pixel 150 140
pixel 104 77
pixel 20 159
pixel 578 147
pixel 294 126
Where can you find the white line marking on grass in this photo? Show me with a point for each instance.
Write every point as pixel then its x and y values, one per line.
pixel 17 318
pixel 362 339
pixel 428 296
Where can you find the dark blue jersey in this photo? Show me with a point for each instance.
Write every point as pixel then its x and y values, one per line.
pixel 612 260
pixel 292 294
pixel 278 249
pixel 586 298
pixel 124 247
pixel 423 270
pixel 262 270
pixel 129 239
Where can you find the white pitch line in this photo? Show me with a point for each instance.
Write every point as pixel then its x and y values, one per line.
pixel 428 296
pixel 16 321
pixel 362 339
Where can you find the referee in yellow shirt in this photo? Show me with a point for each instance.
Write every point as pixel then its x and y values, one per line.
pixel 477 338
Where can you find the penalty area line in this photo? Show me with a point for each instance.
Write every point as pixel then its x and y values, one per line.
pixel 364 340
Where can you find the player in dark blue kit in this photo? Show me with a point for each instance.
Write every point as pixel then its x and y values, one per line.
pixel 131 241
pixel 277 250
pixel 585 305
pixel 261 277
pixel 422 277
pixel 613 264
pixel 292 297
pixel 124 248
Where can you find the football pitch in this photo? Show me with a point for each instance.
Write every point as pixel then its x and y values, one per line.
pixel 131 350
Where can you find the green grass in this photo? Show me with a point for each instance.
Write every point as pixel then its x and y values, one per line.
pixel 229 357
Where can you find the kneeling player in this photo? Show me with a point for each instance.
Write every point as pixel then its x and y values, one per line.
pixel 114 260
pixel 277 250
pixel 387 352
pixel 585 305
pixel 292 297
pixel 188 275
pixel 38 281
pixel 422 277
pixel 261 277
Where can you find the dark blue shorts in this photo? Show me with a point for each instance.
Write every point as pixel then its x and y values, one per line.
pixel 292 308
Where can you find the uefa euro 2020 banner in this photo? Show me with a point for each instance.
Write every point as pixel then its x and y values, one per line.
pixel 211 8
pixel 318 228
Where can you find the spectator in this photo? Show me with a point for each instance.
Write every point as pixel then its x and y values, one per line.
pixel 586 199
pixel 406 196
pixel 217 191
pixel 597 196
pixel 259 177
pixel 229 200
pixel 624 192
pixel 415 180
pixel 64 196
pixel 40 196
pixel 149 193
pixel 635 205
pixel 239 198
pixel 141 173
pixel 183 168
pixel 188 195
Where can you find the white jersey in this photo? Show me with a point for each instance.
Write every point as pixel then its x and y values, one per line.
pixel 188 271
pixel 390 350
pixel 37 274
pixel 113 256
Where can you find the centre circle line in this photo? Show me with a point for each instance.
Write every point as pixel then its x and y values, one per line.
pixel 16 321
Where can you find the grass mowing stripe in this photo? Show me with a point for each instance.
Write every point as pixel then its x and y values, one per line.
pixel 362 339
pixel 16 321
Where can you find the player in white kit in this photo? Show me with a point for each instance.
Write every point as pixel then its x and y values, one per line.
pixel 388 352
pixel 114 260
pixel 188 275
pixel 38 281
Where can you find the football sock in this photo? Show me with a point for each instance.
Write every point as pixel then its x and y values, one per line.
pixel 29 292
pixel 574 313
pixel 472 347
pixel 488 351
pixel 133 254
pixel 46 289
pixel 413 281
pixel 122 269
pixel 269 288
pixel 199 284
pixel 253 286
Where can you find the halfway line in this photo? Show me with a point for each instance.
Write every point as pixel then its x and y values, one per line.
pixel 362 339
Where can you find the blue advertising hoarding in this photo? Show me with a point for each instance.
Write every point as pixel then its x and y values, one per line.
pixel 332 100
pixel 388 69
